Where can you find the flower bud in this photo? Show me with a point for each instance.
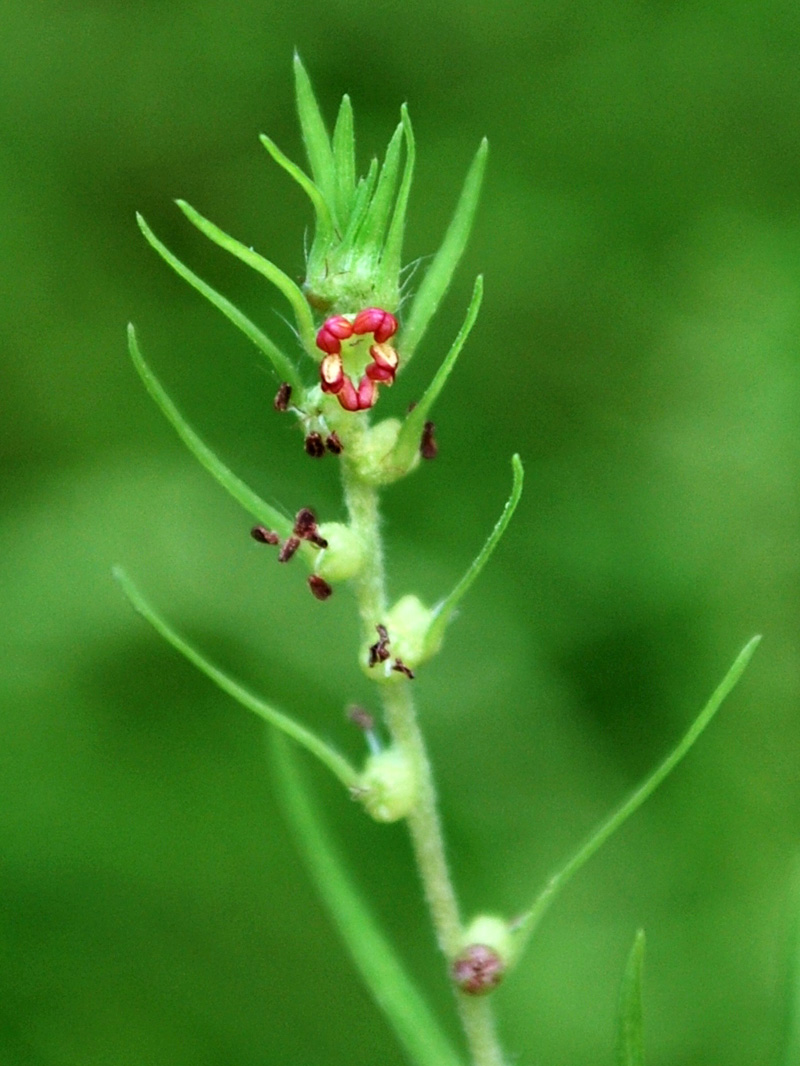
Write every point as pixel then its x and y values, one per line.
pixel 332 332
pixel 331 373
pixel 403 642
pixel 388 786
pixel 376 321
pixel 343 558
pixel 408 622
pixel 486 954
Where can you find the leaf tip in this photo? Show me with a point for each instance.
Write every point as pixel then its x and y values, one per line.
pixel 518 468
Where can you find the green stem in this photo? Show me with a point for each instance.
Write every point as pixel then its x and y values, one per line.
pixel 423 821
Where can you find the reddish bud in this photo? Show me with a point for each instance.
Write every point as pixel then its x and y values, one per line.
pixel 347 395
pixel 331 373
pixel 264 535
pixel 319 587
pixel 332 332
pixel 289 548
pixel 282 397
pixel 367 393
pixel 379 374
pixel 384 365
pixel 477 970
pixel 334 445
pixel 428 448
pixel 315 446
pixel 384 356
pixel 376 321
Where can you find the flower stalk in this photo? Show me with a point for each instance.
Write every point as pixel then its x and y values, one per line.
pixel 356 329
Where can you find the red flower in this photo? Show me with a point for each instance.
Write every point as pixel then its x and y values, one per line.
pixel 381 370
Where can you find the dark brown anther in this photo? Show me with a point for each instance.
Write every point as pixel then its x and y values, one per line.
pixel 289 548
pixel 282 397
pixel 362 718
pixel 477 970
pixel 315 445
pixel 319 587
pixel 305 527
pixel 379 651
pixel 264 535
pixel 333 444
pixel 401 668
pixel 428 448
pixel 305 522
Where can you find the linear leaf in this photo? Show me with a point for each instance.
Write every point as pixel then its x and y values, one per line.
pixel 324 220
pixel 630 1035
pixel 437 280
pixel 360 203
pixel 344 159
pixel 335 762
pixel 242 493
pixel 531 919
pixel 791 1048
pixel 416 1027
pixel 374 226
pixel 263 266
pixel 315 136
pixel 283 365
pixel 411 432
pixel 443 611
pixel 393 249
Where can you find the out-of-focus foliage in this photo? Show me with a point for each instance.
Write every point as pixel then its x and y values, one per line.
pixel 638 345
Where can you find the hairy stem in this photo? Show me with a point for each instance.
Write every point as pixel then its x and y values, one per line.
pixel 423 821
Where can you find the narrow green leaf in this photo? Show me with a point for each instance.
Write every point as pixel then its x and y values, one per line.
pixel 360 204
pixel 374 226
pixel 315 136
pixel 791 1049
pixel 437 280
pixel 344 159
pixel 443 611
pixel 395 994
pixel 285 368
pixel 411 432
pixel 244 495
pixel 290 290
pixel 327 755
pixel 529 921
pixel 324 220
pixel 630 1035
pixel 393 249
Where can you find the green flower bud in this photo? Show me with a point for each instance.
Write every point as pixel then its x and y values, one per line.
pixel 344 556
pixel 493 932
pixel 403 642
pixel 486 954
pixel 408 622
pixel 388 786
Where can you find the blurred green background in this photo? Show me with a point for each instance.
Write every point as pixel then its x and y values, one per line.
pixel 640 237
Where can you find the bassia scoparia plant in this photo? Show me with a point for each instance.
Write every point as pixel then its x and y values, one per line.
pixel 357 327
